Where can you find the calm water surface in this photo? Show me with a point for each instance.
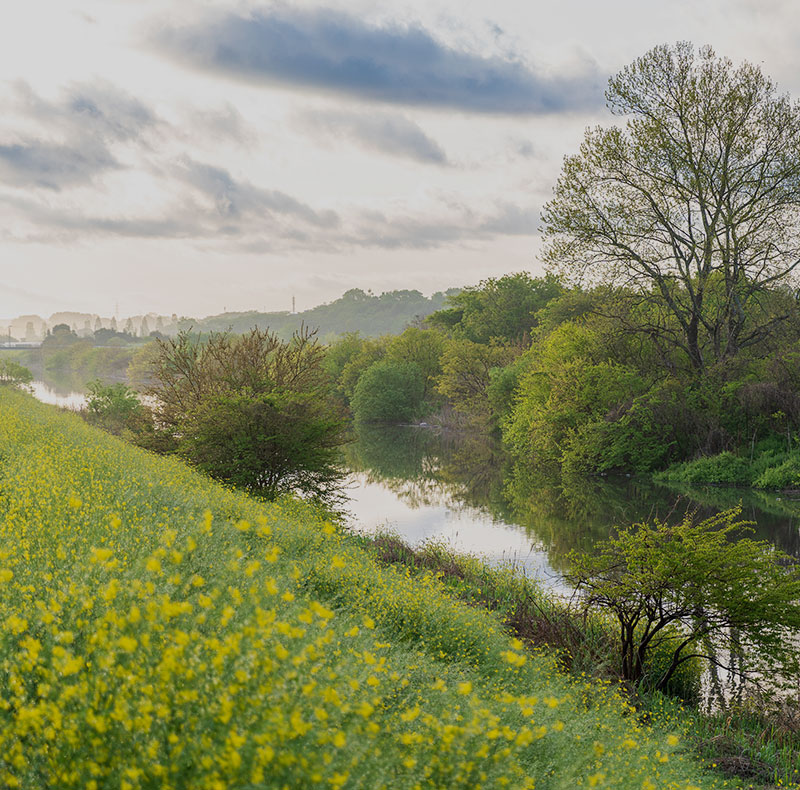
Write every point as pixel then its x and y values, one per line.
pixel 426 485
pixel 461 490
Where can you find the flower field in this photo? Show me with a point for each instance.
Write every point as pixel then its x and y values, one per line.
pixel 160 631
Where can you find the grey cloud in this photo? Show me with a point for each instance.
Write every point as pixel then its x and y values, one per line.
pixel 80 129
pixel 54 225
pixel 339 53
pixel 388 133
pixel 375 229
pixel 52 166
pixel 98 109
pixel 236 199
pixel 252 220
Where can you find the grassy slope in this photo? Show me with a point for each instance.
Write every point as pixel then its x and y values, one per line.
pixel 157 630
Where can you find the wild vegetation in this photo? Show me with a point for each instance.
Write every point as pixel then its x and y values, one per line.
pixel 149 612
pixel 665 337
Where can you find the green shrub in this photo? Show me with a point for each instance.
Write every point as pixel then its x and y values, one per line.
pixel 389 391
pixel 785 475
pixel 725 468
pixel 13 373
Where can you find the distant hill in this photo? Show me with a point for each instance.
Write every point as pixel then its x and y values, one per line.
pixel 354 311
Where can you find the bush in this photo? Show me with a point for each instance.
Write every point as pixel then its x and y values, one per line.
pixel 13 373
pixel 116 408
pixel 251 410
pixel 784 475
pixel 725 468
pixel 389 391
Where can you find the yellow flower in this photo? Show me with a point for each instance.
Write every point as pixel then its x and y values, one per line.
pixel 127 643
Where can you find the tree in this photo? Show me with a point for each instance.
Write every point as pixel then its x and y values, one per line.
pixel 693 205
pixel 501 309
pixel 423 348
pixel 694 591
pixel 251 410
pixel 467 374
pixel 389 391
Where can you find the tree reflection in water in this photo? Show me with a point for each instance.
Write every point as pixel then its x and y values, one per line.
pixel 432 468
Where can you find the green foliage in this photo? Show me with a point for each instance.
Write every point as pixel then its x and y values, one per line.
pixel 389 391
pixel 725 468
pixel 111 400
pixel 423 348
pixel 501 309
pixel 116 408
pixel 467 369
pixel 565 398
pixel 267 442
pixel 695 589
pixel 783 475
pixel 14 374
pixel 253 410
pixel 771 468
pixel 648 206
pixel 362 355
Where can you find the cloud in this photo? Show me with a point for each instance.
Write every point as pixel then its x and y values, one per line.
pixel 238 199
pixel 337 53
pixel 78 133
pixel 100 110
pixel 462 226
pixel 52 166
pixel 387 133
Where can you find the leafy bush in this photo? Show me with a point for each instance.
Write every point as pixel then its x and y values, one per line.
pixel 725 468
pixel 389 391
pixel 251 410
pixel 13 373
pixel 783 475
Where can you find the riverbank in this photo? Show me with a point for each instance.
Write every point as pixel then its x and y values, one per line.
pixel 153 607
pixel 752 739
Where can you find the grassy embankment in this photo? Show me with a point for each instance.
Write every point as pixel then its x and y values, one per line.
pixel 158 630
pixel 769 465
pixel 755 742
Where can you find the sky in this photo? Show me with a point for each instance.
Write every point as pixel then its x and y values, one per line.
pixel 191 156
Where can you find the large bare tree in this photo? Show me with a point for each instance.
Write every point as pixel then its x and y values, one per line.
pixel 693 205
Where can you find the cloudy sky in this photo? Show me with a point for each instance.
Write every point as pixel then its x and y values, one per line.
pixel 187 156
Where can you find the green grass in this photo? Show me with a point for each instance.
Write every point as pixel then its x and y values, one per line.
pixel 770 466
pixel 160 631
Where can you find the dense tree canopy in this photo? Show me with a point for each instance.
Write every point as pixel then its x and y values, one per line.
pixel 693 206
pixel 501 309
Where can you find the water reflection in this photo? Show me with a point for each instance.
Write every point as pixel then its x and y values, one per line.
pixel 65 396
pixel 427 483
pixel 425 486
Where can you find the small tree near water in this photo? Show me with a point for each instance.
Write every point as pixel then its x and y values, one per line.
pixel 251 410
pixel 14 374
pixel 694 591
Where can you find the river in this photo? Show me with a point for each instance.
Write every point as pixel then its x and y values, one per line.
pixel 459 489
